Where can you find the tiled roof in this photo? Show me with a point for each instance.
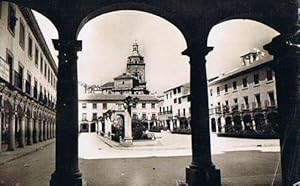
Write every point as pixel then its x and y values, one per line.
pixel 107 85
pixel 125 76
pixel 112 97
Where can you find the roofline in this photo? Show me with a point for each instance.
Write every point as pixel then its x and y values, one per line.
pixel 243 71
pixel 32 22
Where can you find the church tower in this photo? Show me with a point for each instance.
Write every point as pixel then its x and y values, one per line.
pixel 136 65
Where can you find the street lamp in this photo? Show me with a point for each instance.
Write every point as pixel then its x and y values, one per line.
pixel 129 102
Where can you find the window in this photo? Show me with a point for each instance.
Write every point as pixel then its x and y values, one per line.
pixel 134 105
pixel 22 35
pixel 271 98
pixel 144 116
pixel 257 97
pixel 83 116
pixel 36 58
pixel 153 105
pixel 29 46
pixel 269 75
pixel 184 112
pixel 179 100
pixel 95 116
pixel 153 116
pixel 226 103
pixel 45 69
pixel 256 79
pixel 246 100
pixel 170 108
pixel 9 59
pixel 174 91
pixel 94 105
pixel 178 112
pixel 11 22
pixel 235 100
pixel 83 105
pixel 175 100
pixel 41 64
pixel 104 106
pixel 48 75
pixel 167 96
pixel 234 86
pixel 226 87
pixel 245 82
pixel 143 105
pixel 170 94
pixel 189 98
pixel 179 89
pixel 211 92
pixel 218 91
pixel 134 116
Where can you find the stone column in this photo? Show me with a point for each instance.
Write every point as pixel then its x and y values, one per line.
pixel 201 171
pixel 48 129
pixel 22 131
pixel 171 125
pixel 1 128
pixel 30 127
pixel 44 130
pixel 66 164
pixel 253 123
pixel 41 136
pixel 128 129
pixel 286 52
pixel 148 125
pixel 12 132
pixel 37 132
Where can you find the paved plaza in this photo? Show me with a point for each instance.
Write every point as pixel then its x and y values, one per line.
pixel 242 161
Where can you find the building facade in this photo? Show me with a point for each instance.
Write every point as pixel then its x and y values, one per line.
pixel 103 107
pixel 28 76
pixel 244 100
pixel 174 107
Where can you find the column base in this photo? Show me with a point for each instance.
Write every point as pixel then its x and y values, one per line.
pixel 196 176
pixel 63 179
pixel 127 142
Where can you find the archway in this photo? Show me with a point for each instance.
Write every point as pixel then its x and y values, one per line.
pixel 259 122
pixel 273 120
pixel 248 122
pixel 228 124
pixel 213 124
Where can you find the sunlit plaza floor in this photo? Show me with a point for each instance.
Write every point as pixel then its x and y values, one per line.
pixel 92 147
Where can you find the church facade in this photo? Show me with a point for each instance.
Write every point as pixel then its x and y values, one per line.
pixel 99 104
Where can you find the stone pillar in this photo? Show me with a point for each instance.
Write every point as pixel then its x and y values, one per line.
pixel 44 130
pixel 48 129
pixel 22 131
pixel 171 125
pixel 253 123
pixel 223 123
pixel 66 164
pixel 30 130
pixel 243 124
pixel 37 131
pixel 286 52
pixel 1 128
pixel 12 132
pixel 41 136
pixel 128 129
pixel 201 171
pixel 149 125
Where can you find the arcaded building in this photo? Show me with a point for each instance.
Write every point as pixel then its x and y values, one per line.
pixel 245 98
pixel 28 76
pixel 175 107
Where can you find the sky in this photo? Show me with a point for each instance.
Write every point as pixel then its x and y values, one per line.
pixel 107 42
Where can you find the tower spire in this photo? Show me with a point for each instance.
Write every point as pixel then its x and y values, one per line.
pixel 135 49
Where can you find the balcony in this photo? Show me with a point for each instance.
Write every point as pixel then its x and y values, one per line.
pixel 225 109
pixel 218 110
pixel 28 88
pixel 245 107
pixel 270 104
pixel 256 105
pixel 235 108
pixel 18 80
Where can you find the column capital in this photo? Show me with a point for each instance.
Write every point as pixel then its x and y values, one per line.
pixel 196 52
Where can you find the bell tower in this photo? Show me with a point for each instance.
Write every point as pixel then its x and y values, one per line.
pixel 136 65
